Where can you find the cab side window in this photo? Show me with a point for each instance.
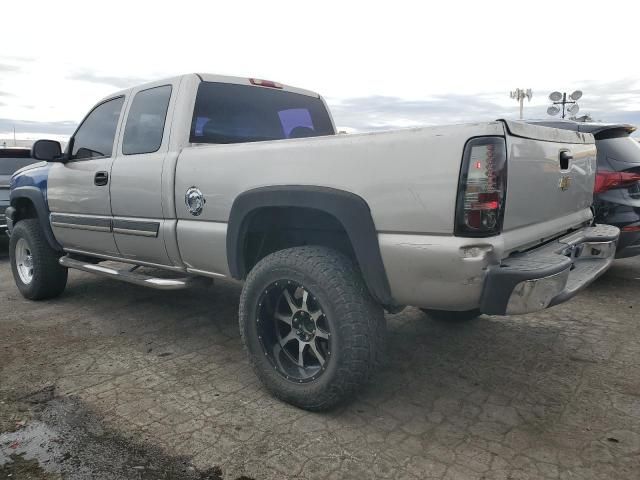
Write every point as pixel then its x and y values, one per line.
pixel 145 122
pixel 94 138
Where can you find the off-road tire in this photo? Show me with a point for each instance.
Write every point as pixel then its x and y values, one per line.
pixel 451 316
pixel 356 321
pixel 49 277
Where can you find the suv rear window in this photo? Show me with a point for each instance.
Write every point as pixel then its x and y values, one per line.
pixel 621 149
pixel 229 113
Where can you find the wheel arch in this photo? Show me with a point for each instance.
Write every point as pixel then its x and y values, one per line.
pixel 350 210
pixel 27 202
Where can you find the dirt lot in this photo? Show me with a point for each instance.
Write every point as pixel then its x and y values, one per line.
pixel 116 381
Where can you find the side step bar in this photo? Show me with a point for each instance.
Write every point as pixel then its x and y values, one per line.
pixel 129 276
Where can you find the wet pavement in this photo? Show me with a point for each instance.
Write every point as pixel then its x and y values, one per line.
pixel 116 381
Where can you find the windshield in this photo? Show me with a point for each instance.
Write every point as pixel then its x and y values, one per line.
pixel 229 113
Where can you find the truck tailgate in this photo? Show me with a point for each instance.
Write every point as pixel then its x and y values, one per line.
pixel 550 179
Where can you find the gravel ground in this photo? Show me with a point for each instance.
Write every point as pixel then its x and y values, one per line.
pixel 116 381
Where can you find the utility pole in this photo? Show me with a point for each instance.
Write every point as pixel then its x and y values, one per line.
pixel 519 95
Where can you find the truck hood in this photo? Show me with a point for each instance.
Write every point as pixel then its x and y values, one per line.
pixel 34 175
pixel 25 175
pixel 29 167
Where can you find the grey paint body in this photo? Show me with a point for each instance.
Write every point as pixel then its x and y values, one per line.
pixel 409 179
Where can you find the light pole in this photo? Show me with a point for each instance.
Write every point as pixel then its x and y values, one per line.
pixel 561 99
pixel 519 95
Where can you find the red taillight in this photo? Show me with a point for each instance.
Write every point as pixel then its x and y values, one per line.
pixel 482 188
pixel 631 228
pixel 264 83
pixel 606 180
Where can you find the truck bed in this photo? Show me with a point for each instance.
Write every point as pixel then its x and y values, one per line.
pixel 407 177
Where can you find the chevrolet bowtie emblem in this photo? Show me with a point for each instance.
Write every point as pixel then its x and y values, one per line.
pixel 564 183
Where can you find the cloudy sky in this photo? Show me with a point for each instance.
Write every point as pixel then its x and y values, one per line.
pixel 379 64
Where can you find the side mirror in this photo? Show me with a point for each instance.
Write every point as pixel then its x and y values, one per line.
pixel 47 150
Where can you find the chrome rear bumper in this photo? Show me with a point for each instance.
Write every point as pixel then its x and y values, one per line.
pixel 549 275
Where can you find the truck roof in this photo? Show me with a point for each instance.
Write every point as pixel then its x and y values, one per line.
pixel 211 77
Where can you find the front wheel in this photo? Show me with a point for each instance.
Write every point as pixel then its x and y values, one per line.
pixel 34 264
pixel 312 331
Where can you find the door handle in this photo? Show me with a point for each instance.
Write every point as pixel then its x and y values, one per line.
pixel 565 157
pixel 101 179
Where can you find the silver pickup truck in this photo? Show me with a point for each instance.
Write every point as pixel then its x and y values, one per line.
pixel 235 178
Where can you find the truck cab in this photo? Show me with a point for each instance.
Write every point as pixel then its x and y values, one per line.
pixel 109 196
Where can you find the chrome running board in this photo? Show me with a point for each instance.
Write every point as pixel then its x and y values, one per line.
pixel 129 275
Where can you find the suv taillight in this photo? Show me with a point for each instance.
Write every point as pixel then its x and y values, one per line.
pixel 606 180
pixel 482 188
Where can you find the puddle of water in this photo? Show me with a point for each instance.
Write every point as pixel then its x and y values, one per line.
pixel 36 441
pixel 67 440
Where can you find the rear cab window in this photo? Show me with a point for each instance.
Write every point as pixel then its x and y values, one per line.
pixel 230 113
pixel 12 160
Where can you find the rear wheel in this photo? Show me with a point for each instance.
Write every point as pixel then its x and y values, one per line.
pixel 451 316
pixel 313 332
pixel 34 264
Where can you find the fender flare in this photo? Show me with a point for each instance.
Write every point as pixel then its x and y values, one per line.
pixel 35 196
pixel 349 209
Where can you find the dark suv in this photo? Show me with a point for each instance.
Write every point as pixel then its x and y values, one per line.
pixel 11 160
pixel 617 187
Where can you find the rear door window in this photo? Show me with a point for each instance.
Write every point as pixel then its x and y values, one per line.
pixel 145 121
pixel 229 113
